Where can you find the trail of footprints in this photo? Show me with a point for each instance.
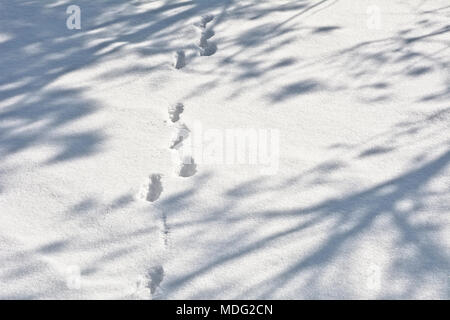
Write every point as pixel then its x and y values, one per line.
pixel 205 46
pixel 187 166
pixel 152 188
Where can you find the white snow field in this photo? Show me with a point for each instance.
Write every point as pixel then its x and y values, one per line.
pixel 93 204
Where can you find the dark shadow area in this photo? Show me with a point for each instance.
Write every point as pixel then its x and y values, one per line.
pixel 34 112
pixel 374 151
pixel 325 29
pixel 295 89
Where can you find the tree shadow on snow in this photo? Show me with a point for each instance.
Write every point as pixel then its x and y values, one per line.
pixel 392 214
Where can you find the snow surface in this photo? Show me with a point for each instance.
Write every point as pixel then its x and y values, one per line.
pixel 358 208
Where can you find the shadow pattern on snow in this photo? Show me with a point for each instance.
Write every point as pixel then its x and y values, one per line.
pixel 416 248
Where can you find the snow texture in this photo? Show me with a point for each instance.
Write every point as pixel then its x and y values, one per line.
pixel 359 207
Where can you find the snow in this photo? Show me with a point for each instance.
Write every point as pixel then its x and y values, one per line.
pixel 356 205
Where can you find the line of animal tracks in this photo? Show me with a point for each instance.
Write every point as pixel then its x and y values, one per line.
pixel 184 163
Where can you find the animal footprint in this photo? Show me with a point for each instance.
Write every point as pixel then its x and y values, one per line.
pixel 208 50
pixel 151 189
pixel 155 277
pixel 205 19
pixel 187 168
pixel 175 111
pixel 179 59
